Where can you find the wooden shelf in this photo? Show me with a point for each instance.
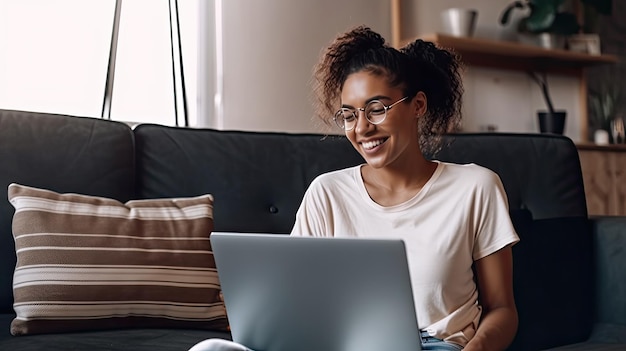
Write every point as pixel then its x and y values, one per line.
pixel 595 147
pixel 525 58
pixel 516 56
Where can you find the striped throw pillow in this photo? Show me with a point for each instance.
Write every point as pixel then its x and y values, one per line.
pixel 88 263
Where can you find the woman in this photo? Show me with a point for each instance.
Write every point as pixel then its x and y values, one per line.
pixel 393 105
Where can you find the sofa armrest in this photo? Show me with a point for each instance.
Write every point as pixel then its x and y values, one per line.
pixel 609 237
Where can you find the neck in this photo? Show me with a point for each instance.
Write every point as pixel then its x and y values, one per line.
pixel 401 176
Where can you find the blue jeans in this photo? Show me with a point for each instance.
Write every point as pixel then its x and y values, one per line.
pixel 428 344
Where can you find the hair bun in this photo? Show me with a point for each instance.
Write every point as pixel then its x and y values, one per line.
pixel 427 52
pixel 442 69
pixel 360 39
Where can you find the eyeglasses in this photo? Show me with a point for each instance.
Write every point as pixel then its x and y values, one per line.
pixel 375 112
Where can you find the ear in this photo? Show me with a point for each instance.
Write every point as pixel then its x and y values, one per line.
pixel 420 104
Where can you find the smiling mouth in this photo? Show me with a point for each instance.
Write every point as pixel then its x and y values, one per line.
pixel 369 145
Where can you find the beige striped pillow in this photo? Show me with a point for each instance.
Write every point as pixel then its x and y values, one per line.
pixel 87 263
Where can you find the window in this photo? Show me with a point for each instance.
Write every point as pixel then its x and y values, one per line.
pixel 55 58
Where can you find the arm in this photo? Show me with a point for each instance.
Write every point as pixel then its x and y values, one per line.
pixel 498 324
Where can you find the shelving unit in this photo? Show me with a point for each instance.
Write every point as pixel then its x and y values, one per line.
pixel 516 56
pixel 511 56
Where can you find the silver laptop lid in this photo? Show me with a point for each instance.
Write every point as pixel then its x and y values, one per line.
pixel 287 293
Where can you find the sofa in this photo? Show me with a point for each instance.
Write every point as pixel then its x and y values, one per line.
pixel 569 269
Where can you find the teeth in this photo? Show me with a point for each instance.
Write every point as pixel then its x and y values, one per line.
pixel 372 144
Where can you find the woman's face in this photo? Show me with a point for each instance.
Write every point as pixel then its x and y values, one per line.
pixel 394 142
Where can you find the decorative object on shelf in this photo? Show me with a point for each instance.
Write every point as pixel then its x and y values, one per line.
pixel 585 43
pixel 617 131
pixel 459 22
pixel 601 137
pixel 545 40
pixel 551 121
pixel 545 25
pixel 603 102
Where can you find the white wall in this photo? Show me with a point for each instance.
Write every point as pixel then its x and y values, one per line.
pixel 271 46
pixel 269 50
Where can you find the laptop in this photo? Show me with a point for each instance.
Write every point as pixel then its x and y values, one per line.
pixel 285 293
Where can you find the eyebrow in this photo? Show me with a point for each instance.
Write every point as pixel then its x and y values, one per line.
pixel 377 97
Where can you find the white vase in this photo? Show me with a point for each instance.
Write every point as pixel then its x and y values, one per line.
pixel 459 22
pixel 544 40
pixel 601 137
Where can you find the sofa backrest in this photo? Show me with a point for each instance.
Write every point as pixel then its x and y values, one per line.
pixel 64 154
pixel 257 179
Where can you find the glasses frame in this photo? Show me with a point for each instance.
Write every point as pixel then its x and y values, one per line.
pixel 341 122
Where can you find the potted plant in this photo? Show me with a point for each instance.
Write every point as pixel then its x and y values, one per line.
pixel 552 120
pixel 604 105
pixel 546 24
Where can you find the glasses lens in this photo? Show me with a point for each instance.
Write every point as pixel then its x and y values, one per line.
pixel 375 112
pixel 345 119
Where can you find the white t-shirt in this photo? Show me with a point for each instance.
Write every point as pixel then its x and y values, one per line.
pixel 459 216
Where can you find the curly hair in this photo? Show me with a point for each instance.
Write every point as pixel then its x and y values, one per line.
pixel 419 66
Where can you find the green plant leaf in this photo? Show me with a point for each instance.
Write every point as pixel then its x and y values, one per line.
pixel 541 17
pixel 565 23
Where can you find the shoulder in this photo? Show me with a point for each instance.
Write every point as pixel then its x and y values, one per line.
pixel 332 189
pixel 334 183
pixel 470 173
pixel 335 178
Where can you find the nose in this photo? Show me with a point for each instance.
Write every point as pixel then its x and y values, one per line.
pixel 362 123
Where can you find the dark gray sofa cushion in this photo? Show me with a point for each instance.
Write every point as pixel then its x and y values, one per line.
pixel 63 154
pixel 610 259
pixel 120 340
pixel 257 179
